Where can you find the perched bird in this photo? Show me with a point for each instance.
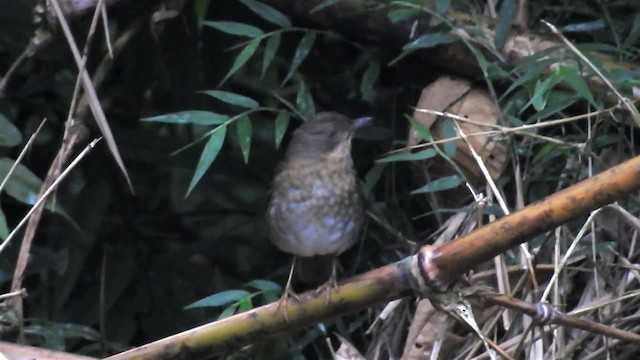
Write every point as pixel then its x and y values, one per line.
pixel 316 208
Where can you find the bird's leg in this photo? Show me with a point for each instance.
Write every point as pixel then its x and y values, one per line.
pixel 332 283
pixel 288 291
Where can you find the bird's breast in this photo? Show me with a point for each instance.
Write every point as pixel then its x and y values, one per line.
pixel 316 208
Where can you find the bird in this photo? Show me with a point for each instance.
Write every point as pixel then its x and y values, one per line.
pixel 316 209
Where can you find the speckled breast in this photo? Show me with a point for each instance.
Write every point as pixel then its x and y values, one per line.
pixel 315 210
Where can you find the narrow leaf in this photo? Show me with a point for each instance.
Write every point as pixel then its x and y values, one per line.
pixel 372 177
pixel 304 101
pixel 242 58
pixel 444 183
pixel 422 130
pixel 370 77
pixel 4 228
pixel 505 21
pixel 448 131
pixel 590 26
pixel 243 128
pixel 232 98
pixel 634 33
pixel 284 102
pixel 282 123
pixel 301 53
pixel 425 41
pixel 409 156
pixel 273 43
pixel 556 101
pixel 570 75
pixel 264 285
pixel 200 8
pixel 10 136
pixel 324 4
pixel 228 311
pixel 235 28
pixel 209 154
pixel 196 117
pixel 397 15
pixel 24 186
pixel 430 40
pixel 220 299
pixel 541 92
pixel 245 304
pixel 268 13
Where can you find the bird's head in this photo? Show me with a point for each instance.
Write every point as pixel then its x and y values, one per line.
pixel 326 135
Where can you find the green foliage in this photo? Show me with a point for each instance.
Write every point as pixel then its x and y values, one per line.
pixel 237 301
pixel 195 117
pixel 505 21
pixel 10 136
pixel 233 99
pixel 444 183
pixel 409 156
pixel 217 89
pixel 23 185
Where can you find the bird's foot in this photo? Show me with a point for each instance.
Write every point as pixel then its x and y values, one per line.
pixel 284 301
pixel 327 288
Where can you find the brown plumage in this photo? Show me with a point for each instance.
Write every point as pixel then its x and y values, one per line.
pixel 316 208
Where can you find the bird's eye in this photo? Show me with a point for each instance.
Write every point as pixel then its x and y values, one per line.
pixel 331 133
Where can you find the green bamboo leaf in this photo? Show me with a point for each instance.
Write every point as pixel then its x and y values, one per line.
pixel 196 117
pixel 288 104
pixel 545 151
pixel 444 183
pixel 590 26
pixel 200 8
pixel 264 285
pixel 229 311
pixel 422 130
pixel 220 299
pixel 430 40
pixel 397 15
pixel 268 13
pixel 505 21
pixel 245 304
pixel 556 101
pixel 634 33
pixel 209 154
pixel 425 41
pixel 449 131
pixel 24 186
pixel 273 43
pixel 235 28
pixel 370 77
pixel 324 4
pixel 4 228
pixel 232 98
pixel 10 136
pixel 282 123
pixel 571 76
pixel 532 70
pixel 540 92
pixel 242 58
pixel 304 101
pixel 243 128
pixel 301 53
pixel 409 156
pixel 372 177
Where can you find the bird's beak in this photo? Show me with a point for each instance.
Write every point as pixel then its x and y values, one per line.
pixel 361 122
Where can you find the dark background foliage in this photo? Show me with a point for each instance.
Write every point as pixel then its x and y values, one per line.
pixel 165 247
